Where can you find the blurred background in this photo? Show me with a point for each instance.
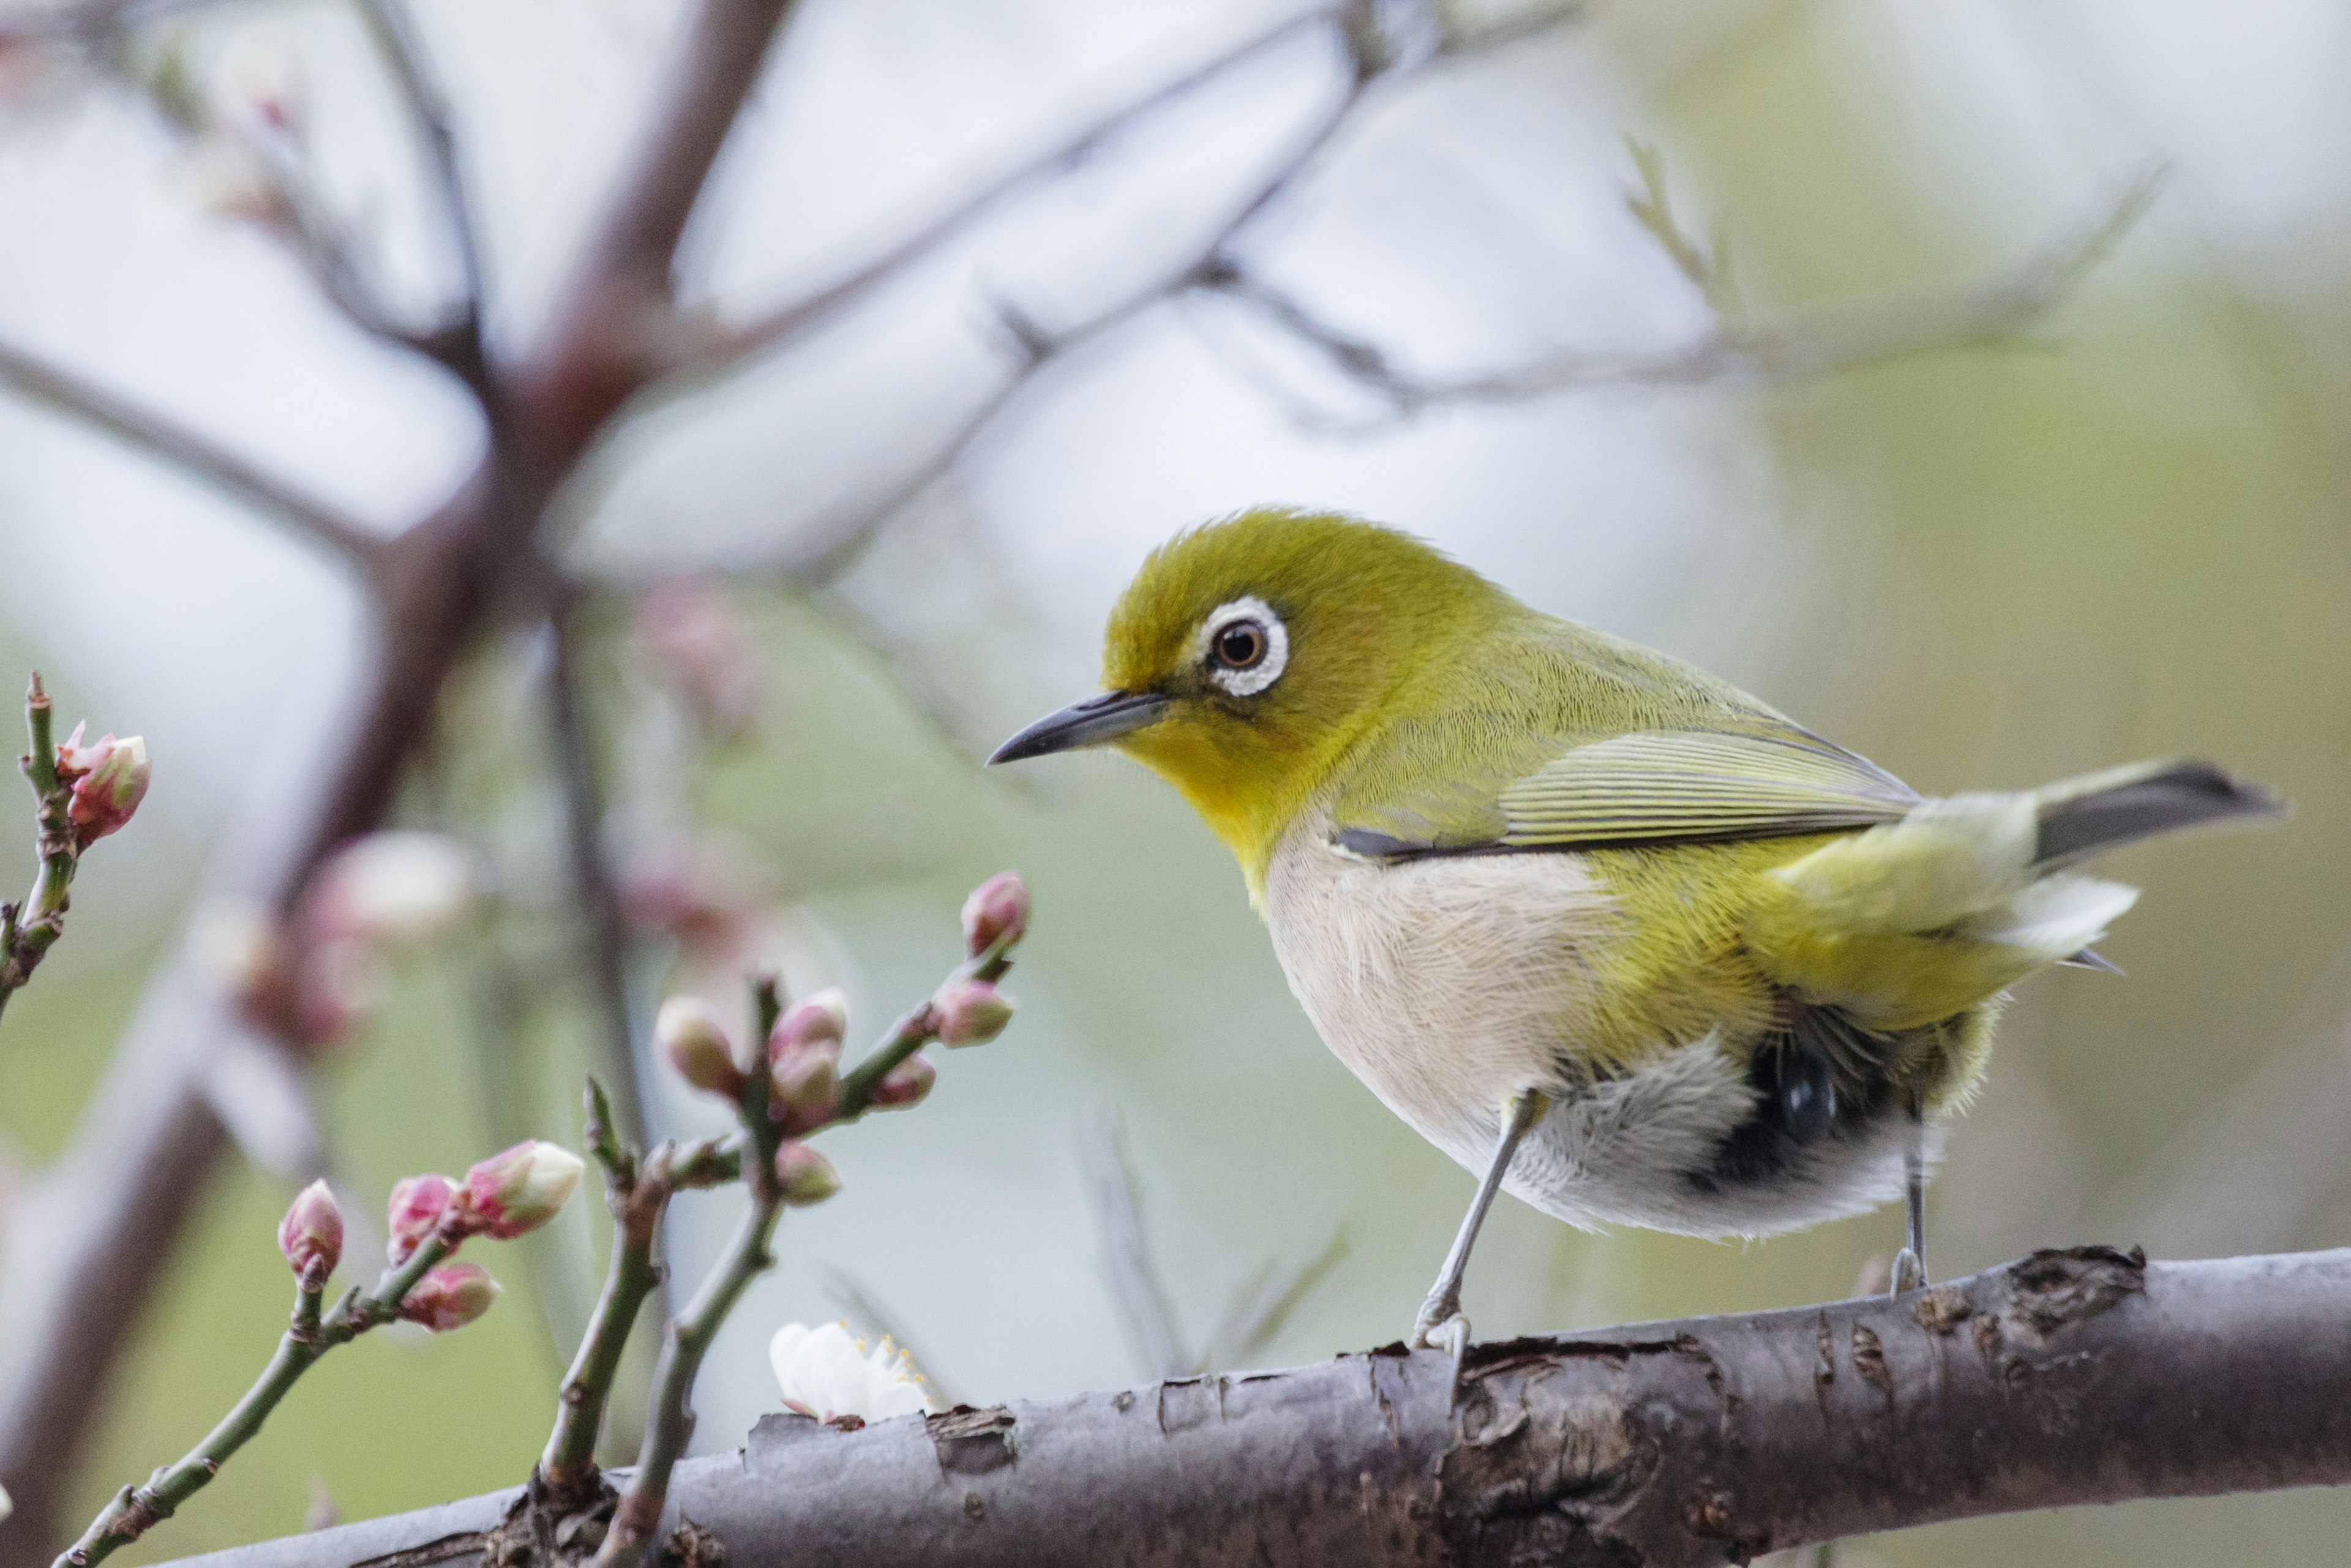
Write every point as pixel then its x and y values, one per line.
pixel 2121 534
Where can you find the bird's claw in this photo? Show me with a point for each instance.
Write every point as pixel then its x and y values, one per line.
pixel 1441 1326
pixel 1908 1272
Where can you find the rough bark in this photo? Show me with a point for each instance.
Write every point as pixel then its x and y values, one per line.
pixel 2065 1378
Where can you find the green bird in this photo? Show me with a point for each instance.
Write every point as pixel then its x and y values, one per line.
pixel 1608 931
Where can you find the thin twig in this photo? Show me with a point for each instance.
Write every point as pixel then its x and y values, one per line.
pixel 27 931
pixel 784 322
pixel 637 1191
pixel 310 1335
pixel 606 927
pixel 826 550
pixel 669 1423
pixel 1832 338
pixel 458 343
pixel 309 517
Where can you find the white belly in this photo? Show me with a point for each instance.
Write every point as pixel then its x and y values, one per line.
pixel 1450 984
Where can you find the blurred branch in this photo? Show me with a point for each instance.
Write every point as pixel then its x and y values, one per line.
pixel 458 343
pixel 61 390
pixel 605 924
pixel 89 1239
pixel 1830 338
pixel 784 322
pixel 2085 1376
pixel 821 553
pixel 1135 1286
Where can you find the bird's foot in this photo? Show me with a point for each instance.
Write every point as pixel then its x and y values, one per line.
pixel 1441 1326
pixel 1908 1274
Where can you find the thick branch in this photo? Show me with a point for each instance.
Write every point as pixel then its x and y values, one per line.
pixel 313 519
pixel 2064 1378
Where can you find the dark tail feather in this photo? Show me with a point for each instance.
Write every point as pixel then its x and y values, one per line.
pixel 2084 816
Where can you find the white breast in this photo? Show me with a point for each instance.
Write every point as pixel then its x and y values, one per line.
pixel 1449 984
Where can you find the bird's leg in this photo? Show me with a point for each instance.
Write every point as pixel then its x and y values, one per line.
pixel 1441 1324
pixel 1910 1263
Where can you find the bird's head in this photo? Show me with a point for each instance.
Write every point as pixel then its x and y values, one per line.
pixel 1246 656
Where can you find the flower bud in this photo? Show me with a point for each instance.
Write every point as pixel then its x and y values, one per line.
pixel 804 1176
pixel 108 779
pixel 418 1204
pixel 519 1189
pixel 449 1296
pixel 971 1012
pixel 696 1046
pixel 908 1083
pixel 807 1086
pixel 311 1234
pixel 997 908
pixel 822 1019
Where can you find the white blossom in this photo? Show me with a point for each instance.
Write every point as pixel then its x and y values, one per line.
pixel 825 1372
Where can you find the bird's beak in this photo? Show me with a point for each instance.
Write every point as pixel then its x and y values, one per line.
pixel 1098 718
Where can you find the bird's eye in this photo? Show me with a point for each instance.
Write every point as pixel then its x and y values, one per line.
pixel 1244 646
pixel 1241 645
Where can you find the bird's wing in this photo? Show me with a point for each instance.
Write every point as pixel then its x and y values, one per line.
pixel 1767 778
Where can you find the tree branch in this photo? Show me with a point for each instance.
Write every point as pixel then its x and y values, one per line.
pixel 1833 337
pixel 2064 1378
pixel 159 437
pixel 458 343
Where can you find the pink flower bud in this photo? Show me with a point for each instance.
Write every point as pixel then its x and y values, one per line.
pixel 108 779
pixel 997 908
pixel 971 1012
pixel 449 1297
pixel 311 1234
pixel 807 1085
pixel 908 1083
pixel 804 1176
pixel 822 1019
pixel 418 1204
pixel 519 1189
pixel 695 1043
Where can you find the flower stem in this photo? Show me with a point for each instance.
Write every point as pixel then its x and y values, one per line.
pixel 309 1336
pixel 638 1194
pixel 27 933
pixel 671 1420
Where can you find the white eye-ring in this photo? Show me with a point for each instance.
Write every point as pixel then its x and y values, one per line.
pixel 1244 644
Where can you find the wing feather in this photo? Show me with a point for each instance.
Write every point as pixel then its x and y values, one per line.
pixel 1649 787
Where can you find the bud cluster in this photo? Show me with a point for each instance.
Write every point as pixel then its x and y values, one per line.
pixel 789 1087
pixel 508 1195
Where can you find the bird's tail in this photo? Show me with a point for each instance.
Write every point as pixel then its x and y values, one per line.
pixel 1913 921
pixel 2086 816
